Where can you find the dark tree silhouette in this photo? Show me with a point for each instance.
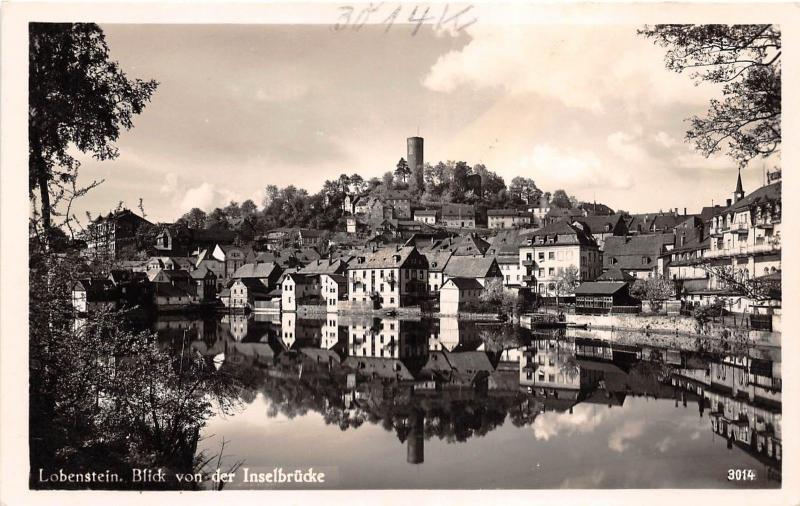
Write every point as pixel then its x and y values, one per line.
pixel 78 97
pixel 746 61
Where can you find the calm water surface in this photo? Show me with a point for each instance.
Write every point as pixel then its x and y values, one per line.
pixel 384 403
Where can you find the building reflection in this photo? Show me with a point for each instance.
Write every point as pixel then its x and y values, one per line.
pixel 454 380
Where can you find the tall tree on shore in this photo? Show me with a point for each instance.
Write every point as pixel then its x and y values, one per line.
pixel 77 98
pixel 402 171
pixel 746 61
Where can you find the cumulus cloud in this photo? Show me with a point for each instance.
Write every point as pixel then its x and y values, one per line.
pixel 581 66
pixel 620 439
pixel 572 170
pixel 583 419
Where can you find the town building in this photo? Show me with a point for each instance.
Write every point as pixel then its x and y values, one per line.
pixel 555 214
pixel 458 293
pixel 643 256
pixel 400 203
pixel 603 226
pixel 458 215
pixel 205 285
pixel 507 218
pixel 394 276
pixel 427 216
pixel 114 235
pixel 334 290
pixel 482 269
pixel 299 289
pixel 267 273
pixel 604 297
pixel 553 250
pixel 93 295
pixel 246 292
pixel 437 260
pixel 746 235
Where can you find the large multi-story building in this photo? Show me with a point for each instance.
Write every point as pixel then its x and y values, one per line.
pixel 394 276
pixel 555 248
pixel 746 234
pixel 114 235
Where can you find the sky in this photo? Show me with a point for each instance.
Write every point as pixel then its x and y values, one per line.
pixel 587 108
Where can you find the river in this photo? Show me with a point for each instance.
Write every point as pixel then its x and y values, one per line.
pixel 439 404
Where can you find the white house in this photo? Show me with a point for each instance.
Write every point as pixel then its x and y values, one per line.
pixel 456 292
pixel 297 287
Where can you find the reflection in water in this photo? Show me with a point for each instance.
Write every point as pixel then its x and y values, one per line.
pixel 449 381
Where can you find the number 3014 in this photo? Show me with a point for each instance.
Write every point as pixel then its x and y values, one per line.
pixel 741 474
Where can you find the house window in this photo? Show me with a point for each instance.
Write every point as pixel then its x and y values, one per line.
pixel 551 255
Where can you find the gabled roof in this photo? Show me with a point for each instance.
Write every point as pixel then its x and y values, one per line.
pixel 471 244
pixel 601 224
pixel 470 267
pixel 615 274
pixel 437 259
pixel 464 283
pixel 201 272
pixel 426 212
pixel 386 257
pixel 255 270
pixel 253 285
pixel 769 193
pixel 652 245
pixel 600 288
pixel 564 232
pixel 300 279
pixel 325 266
pixel 458 211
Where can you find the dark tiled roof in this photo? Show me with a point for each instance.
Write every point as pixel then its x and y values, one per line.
pixel 566 233
pixel 615 274
pixel 769 193
pixel 470 267
pixel 458 211
pixel 255 270
pixel 465 283
pixel 600 288
pixel 600 224
pixel 652 245
pixel 253 285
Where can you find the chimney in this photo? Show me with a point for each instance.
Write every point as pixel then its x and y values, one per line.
pixel 684 211
pixel 727 202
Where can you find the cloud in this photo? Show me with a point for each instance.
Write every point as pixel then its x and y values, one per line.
pixel 582 67
pixel 583 419
pixel 591 480
pixel 620 439
pixel 572 170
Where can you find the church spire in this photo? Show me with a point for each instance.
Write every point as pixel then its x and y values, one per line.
pixel 739 193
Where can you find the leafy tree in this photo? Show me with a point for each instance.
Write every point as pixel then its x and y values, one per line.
pixel 217 219
pixel 196 218
pixel 491 183
pixel 77 98
pixel 357 184
pixel 271 193
pixel 655 290
pixel 388 181
pixel 746 61
pixel 248 208
pixel 402 171
pixel 567 280
pixel 561 199
pixel 526 189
